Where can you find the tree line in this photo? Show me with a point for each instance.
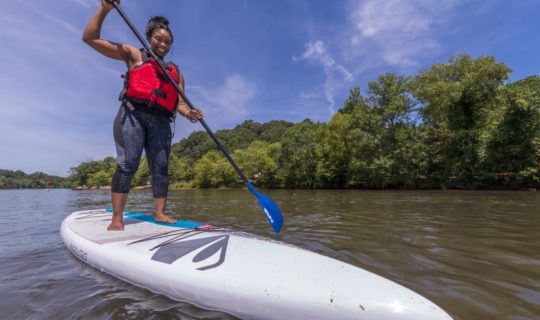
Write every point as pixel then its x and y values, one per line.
pixel 459 125
pixel 20 180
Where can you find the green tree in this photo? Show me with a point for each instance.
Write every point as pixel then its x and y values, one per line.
pixel 333 155
pixel 241 136
pixel 80 174
pixel 391 100
pixel 99 179
pixel 457 99
pixel 259 162
pixel 180 170
pixel 300 149
pixel 214 171
pixel 513 143
pixel 373 141
pixel 272 131
pixel 194 147
pixel 142 175
pixel 199 143
pixel 352 102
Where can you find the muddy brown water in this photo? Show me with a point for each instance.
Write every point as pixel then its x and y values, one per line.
pixel 475 254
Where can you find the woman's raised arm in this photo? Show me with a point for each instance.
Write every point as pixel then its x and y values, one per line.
pixel 92 36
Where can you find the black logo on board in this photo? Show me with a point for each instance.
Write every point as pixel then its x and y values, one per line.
pixel 212 245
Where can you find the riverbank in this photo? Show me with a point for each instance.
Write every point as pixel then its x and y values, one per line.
pixel 187 186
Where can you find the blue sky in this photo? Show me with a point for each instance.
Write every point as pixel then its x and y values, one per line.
pixel 242 59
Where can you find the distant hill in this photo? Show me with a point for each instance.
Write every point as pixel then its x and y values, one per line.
pixel 20 180
pixel 199 143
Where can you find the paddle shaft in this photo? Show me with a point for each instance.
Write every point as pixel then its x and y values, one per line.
pixel 175 84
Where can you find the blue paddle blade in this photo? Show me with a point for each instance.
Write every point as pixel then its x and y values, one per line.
pixel 270 209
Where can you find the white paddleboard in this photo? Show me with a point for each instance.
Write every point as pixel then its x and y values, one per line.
pixel 238 273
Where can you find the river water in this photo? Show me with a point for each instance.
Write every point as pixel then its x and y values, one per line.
pixel 475 254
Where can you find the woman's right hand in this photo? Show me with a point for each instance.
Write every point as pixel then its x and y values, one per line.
pixel 92 36
pixel 107 4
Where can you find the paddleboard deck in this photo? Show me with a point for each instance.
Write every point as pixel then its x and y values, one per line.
pixel 245 275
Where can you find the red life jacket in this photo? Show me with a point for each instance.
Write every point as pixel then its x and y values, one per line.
pixel 146 84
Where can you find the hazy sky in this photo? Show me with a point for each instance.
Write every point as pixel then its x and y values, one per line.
pixel 242 59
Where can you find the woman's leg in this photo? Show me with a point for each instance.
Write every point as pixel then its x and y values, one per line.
pixel 129 139
pixel 158 148
pixel 118 201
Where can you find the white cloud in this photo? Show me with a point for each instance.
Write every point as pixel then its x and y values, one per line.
pixel 335 73
pixel 402 30
pixel 227 104
pixel 58 21
pixel 317 51
pixel 86 3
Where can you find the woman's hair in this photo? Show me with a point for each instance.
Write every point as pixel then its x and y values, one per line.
pixel 157 22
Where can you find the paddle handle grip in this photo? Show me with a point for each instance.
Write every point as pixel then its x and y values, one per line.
pixel 175 84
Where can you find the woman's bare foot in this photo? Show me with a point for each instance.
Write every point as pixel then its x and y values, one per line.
pixel 161 217
pixel 116 226
pixel 118 201
pixel 117 223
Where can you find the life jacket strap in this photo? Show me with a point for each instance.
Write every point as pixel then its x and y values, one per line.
pixel 159 93
pixel 146 108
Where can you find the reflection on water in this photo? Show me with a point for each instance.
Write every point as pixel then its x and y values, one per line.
pixel 476 254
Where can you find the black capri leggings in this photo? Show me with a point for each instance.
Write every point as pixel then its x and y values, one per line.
pixel 135 130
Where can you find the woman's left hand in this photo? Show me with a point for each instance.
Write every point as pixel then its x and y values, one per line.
pixel 194 115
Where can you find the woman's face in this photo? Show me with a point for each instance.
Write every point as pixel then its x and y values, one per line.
pixel 160 42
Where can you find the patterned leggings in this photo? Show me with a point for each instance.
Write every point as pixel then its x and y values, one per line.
pixel 135 130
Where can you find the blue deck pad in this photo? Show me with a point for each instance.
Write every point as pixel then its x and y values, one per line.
pixel 148 218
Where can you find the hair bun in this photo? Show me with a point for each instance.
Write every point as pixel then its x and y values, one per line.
pixel 159 20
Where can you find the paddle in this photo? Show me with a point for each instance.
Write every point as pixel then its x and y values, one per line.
pixel 270 208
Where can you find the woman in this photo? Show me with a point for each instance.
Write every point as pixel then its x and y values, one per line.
pixel 143 120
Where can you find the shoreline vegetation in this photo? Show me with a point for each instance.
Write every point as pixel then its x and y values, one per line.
pixel 458 125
